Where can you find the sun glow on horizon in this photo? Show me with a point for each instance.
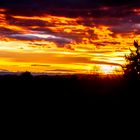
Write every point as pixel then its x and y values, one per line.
pixel 108 69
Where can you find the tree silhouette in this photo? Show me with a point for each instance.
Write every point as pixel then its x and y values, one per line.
pixel 26 75
pixel 132 67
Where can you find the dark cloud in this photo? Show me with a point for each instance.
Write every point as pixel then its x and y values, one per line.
pixel 105 63
pixel 60 41
pixel 6 32
pixel 24 22
pixel 67 3
pixel 62 70
pixel 104 43
pixel 41 65
pixel 3 70
pixel 71 7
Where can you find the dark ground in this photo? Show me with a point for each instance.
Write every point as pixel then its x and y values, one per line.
pixel 44 90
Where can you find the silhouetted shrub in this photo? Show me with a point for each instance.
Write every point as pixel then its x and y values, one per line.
pixel 26 75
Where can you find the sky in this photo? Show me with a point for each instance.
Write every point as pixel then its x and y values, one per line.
pixel 67 36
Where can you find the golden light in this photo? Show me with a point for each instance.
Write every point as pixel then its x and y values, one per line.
pixel 107 69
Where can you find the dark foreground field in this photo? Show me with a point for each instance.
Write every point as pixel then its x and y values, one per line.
pixel 68 89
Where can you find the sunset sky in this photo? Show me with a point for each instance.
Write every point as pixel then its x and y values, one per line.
pixel 67 36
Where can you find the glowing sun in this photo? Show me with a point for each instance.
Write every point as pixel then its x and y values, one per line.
pixel 107 69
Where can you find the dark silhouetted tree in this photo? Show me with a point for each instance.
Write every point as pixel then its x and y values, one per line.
pixel 26 75
pixel 132 67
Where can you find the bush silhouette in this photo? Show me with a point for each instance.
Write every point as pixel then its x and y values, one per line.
pixel 132 67
pixel 26 75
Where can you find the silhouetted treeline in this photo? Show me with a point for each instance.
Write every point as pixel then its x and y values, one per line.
pixel 69 89
pixel 132 67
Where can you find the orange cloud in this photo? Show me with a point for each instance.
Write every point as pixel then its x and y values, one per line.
pixel 69 44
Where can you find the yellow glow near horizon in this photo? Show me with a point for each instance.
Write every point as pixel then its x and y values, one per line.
pixel 106 69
